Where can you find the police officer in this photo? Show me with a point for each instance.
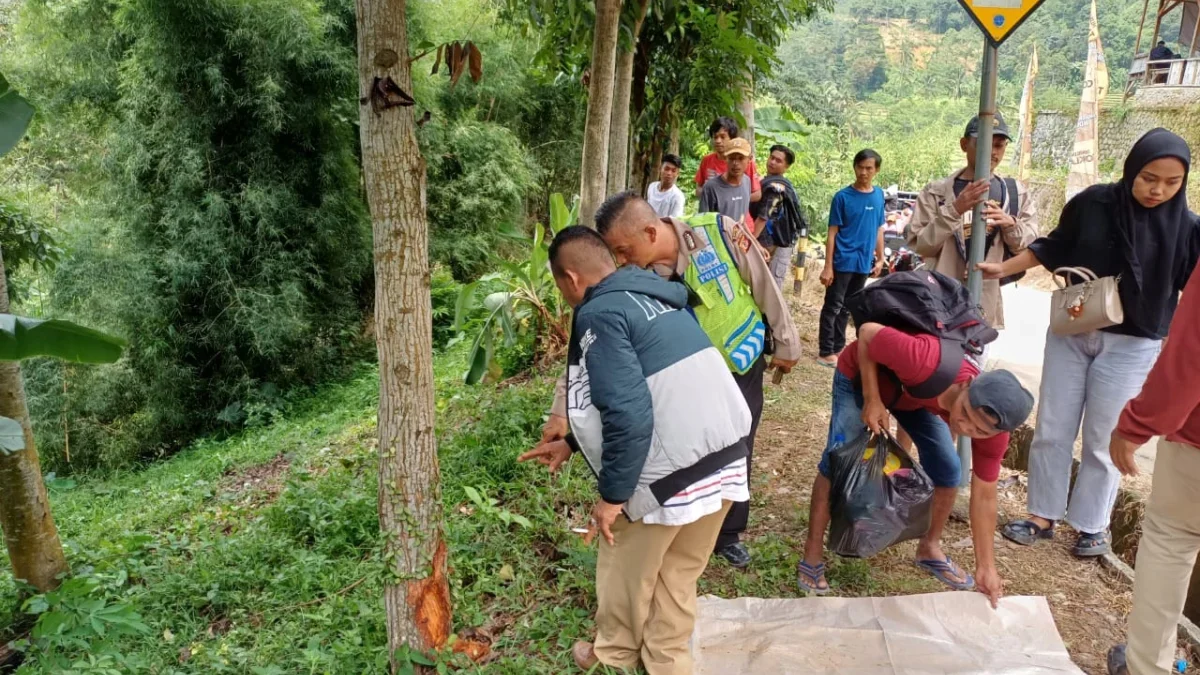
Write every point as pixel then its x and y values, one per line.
pixel 735 299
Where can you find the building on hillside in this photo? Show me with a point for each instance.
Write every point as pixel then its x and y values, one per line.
pixel 1170 72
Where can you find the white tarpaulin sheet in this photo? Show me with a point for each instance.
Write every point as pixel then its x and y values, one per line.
pixel 935 633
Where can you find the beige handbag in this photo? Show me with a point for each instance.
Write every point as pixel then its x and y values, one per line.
pixel 1087 306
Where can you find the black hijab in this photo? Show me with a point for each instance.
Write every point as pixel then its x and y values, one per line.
pixel 1105 229
pixel 1146 234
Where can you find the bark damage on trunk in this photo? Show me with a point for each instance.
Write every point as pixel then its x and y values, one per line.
pixel 417 597
pixel 29 531
pixel 429 600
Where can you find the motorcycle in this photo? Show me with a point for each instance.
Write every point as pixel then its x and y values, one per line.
pixel 897 257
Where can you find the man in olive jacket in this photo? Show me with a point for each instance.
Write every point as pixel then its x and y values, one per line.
pixel 940 229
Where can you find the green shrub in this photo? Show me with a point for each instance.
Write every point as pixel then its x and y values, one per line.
pixel 443 293
pixel 335 516
pixel 518 308
pixel 482 453
pixel 78 628
pixel 228 240
pixel 518 357
pixel 479 173
pixel 29 247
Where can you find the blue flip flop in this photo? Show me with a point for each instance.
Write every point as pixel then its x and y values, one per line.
pixel 808 578
pixel 945 571
pixel 831 366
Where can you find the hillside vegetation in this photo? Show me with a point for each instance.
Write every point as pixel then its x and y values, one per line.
pixel 902 78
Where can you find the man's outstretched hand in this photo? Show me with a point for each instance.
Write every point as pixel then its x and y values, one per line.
pixel 988 582
pixel 551 455
pixel 991 270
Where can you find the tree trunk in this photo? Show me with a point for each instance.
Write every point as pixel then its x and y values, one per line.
pixel 594 170
pixel 656 155
pixel 656 144
pixel 639 157
pixel 618 146
pixel 29 531
pixel 618 133
pixel 417 597
pixel 638 180
pixel 673 144
pixel 746 108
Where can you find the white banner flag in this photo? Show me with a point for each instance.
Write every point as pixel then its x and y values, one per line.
pixel 1023 158
pixel 1085 158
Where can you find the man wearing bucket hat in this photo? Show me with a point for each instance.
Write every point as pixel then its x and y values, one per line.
pixel 940 228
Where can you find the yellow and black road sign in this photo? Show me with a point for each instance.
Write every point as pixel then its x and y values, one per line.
pixel 999 18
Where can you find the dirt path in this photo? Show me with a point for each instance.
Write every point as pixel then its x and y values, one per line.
pixel 1088 601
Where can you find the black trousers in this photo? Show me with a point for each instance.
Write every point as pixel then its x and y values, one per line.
pixel 834 315
pixel 751 384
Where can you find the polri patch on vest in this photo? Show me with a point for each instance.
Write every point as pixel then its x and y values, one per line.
pixel 709 266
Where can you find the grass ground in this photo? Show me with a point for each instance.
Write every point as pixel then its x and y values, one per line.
pixel 260 554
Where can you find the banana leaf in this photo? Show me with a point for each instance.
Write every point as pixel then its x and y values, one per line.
pixel 12 436
pixel 15 115
pixel 22 337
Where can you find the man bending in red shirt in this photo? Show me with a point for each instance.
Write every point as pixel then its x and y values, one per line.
pixel 983 407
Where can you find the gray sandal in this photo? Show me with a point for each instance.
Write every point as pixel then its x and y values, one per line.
pixel 1092 545
pixel 1026 532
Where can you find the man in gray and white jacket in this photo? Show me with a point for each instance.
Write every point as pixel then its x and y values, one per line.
pixel 638 368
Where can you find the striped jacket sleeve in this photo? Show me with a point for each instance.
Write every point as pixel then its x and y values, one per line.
pixel 622 397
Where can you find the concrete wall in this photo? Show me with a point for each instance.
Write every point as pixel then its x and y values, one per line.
pixel 1049 196
pixel 1120 128
pixel 1167 97
pixel 1054 133
pixel 1053 138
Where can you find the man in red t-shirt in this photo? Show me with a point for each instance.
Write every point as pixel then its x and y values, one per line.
pixel 1168 406
pixel 721 131
pixel 984 407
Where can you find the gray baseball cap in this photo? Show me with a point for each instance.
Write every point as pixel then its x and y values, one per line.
pixel 1000 394
pixel 998 129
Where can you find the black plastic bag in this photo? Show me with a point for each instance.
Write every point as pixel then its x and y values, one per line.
pixel 879 496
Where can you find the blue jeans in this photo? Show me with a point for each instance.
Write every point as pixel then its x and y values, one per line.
pixel 931 435
pixel 1086 379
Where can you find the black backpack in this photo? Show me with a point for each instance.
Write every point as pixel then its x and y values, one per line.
pixel 781 210
pixel 923 301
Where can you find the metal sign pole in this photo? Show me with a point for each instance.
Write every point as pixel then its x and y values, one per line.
pixel 983 167
pixel 983 171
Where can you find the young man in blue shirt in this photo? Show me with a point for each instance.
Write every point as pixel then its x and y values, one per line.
pixel 855 235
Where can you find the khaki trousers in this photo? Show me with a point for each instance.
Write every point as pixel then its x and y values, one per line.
pixel 646 591
pixel 1166 555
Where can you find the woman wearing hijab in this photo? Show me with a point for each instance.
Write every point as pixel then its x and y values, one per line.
pixel 1139 229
